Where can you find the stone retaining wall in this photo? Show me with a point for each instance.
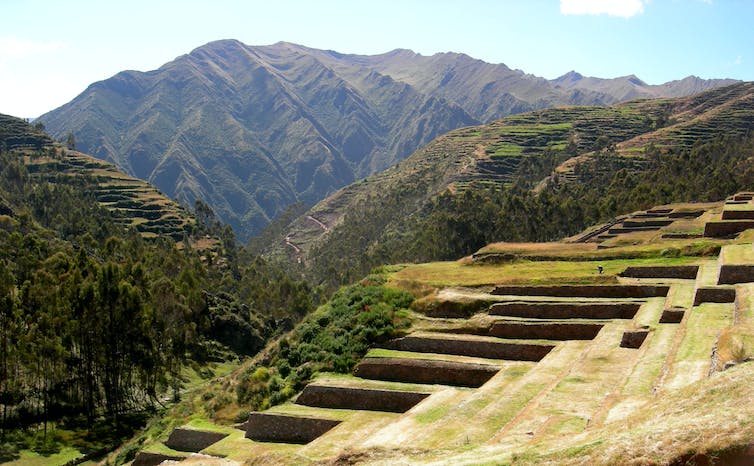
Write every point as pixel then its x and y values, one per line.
pixel 686 214
pixel 585 291
pixel 726 228
pixel 394 401
pixel 543 310
pixel 646 223
pixel 425 371
pixel 153 459
pixel 624 230
pixel 714 295
pixel 475 348
pixel 738 215
pixel 679 271
pixel 672 315
pixel 732 274
pixel 270 427
pixel 633 339
pixel 192 440
pixel 545 331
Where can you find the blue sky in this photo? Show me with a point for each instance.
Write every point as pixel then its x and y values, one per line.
pixel 50 50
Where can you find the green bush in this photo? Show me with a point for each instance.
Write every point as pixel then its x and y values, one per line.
pixel 334 338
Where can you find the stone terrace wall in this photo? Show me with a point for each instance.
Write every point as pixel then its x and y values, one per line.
pixel 672 315
pixel 633 339
pixel 268 427
pixel 425 371
pixel 726 228
pixel 545 331
pixel 192 440
pixel 731 274
pixel 738 214
pixel 585 291
pixel 714 295
pixel 475 348
pixel 359 398
pixel 680 271
pixel 544 310
pixel 153 459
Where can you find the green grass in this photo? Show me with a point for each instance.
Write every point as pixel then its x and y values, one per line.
pixel 526 272
pixel 30 458
pixel 704 324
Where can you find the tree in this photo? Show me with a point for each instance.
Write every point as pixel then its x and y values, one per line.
pixel 70 142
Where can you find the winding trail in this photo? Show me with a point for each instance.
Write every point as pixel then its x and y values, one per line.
pixel 321 225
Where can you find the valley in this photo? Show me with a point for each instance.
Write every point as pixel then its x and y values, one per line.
pixel 288 255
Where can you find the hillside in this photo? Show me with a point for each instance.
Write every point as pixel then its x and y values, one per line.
pixel 251 130
pixel 113 299
pixel 634 349
pixel 442 201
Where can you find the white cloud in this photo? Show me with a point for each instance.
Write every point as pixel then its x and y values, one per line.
pixel 620 8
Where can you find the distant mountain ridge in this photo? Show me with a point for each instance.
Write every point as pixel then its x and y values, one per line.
pixel 253 129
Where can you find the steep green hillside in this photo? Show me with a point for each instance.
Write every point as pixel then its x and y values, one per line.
pixel 104 316
pixel 473 185
pixel 251 130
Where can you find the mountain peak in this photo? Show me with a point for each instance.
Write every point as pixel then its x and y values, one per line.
pixel 633 79
pixel 571 76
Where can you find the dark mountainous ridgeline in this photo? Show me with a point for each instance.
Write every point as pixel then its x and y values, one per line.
pixel 251 130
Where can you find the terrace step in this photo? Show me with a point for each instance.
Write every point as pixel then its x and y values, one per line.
pixel 192 440
pixel 270 427
pixel 585 291
pixel 325 396
pixel 145 458
pixel 714 294
pixel 623 231
pixel 470 345
pixel 725 228
pixel 565 310
pixel 738 215
pixel 688 272
pixel 646 223
pixel 426 371
pixel 545 331
pixel 686 214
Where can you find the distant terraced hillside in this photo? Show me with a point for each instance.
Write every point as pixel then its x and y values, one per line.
pixel 386 206
pixel 134 203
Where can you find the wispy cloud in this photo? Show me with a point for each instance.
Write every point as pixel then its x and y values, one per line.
pixel 619 8
pixel 738 60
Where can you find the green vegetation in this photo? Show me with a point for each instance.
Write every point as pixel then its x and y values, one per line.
pixel 99 322
pixel 332 339
pixel 457 224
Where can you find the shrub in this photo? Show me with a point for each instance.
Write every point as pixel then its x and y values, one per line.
pixel 333 338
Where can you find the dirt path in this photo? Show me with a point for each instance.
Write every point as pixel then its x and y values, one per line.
pixel 296 249
pixel 324 227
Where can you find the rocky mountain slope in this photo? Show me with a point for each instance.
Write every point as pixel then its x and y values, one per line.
pixel 251 130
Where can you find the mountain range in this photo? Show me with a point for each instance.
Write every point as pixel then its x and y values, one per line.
pixel 251 130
